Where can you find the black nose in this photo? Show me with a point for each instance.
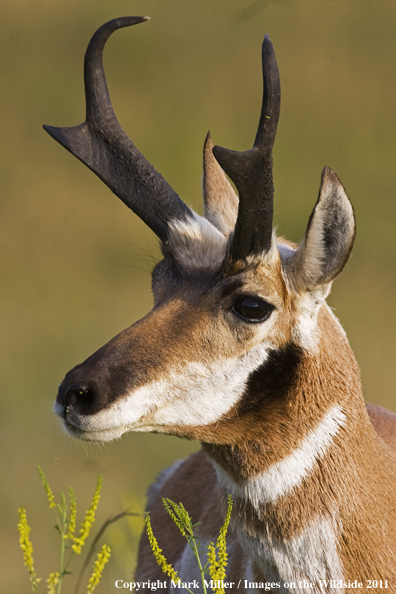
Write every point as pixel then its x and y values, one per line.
pixel 89 387
pixel 81 396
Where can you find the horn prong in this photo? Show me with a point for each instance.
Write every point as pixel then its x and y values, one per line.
pixel 102 145
pixel 251 170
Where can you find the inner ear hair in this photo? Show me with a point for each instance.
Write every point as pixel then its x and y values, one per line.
pixel 329 238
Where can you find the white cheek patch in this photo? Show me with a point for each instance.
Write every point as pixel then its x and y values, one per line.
pixel 281 478
pixel 203 394
pixel 195 394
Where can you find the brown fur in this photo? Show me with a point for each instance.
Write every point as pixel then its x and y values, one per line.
pixel 362 457
pixel 284 400
pixel 274 394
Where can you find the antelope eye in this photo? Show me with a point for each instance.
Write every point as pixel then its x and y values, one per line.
pixel 253 309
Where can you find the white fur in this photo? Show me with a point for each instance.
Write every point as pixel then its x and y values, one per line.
pixel 314 264
pixel 187 567
pixel 305 329
pixel 268 258
pixel 286 251
pixel 192 394
pixel 281 478
pixel 309 556
pixel 196 243
pixel 312 556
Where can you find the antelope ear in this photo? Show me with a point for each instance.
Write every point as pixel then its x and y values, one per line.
pixel 221 202
pixel 329 237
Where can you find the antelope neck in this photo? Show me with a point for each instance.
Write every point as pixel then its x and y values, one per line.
pixel 240 470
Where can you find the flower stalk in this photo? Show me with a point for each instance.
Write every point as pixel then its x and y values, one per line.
pixel 102 559
pixel 27 547
pixel 89 519
pixel 217 561
pixel 66 517
pixel 157 552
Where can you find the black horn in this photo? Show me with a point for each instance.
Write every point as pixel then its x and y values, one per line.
pixel 102 145
pixel 251 170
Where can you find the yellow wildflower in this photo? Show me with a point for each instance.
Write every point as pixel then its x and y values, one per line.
pixel 157 552
pixel 73 515
pixel 27 547
pixel 212 560
pixel 218 563
pixel 168 506
pixel 221 542
pixel 50 495
pixel 88 520
pixel 52 581
pixel 103 557
pixel 214 567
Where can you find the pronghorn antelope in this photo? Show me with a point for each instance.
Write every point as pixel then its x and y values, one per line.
pixel 242 353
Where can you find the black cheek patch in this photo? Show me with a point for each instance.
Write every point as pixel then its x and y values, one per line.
pixel 273 380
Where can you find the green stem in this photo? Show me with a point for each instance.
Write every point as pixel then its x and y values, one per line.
pixel 68 561
pixel 201 569
pixel 62 556
pixel 188 590
pixel 61 566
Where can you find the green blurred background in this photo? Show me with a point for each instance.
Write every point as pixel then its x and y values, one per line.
pixel 75 263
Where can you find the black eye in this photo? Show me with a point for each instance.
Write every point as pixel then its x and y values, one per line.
pixel 253 309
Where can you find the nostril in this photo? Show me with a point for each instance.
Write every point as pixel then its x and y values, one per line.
pixel 78 395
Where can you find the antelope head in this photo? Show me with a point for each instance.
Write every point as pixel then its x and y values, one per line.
pixel 233 305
